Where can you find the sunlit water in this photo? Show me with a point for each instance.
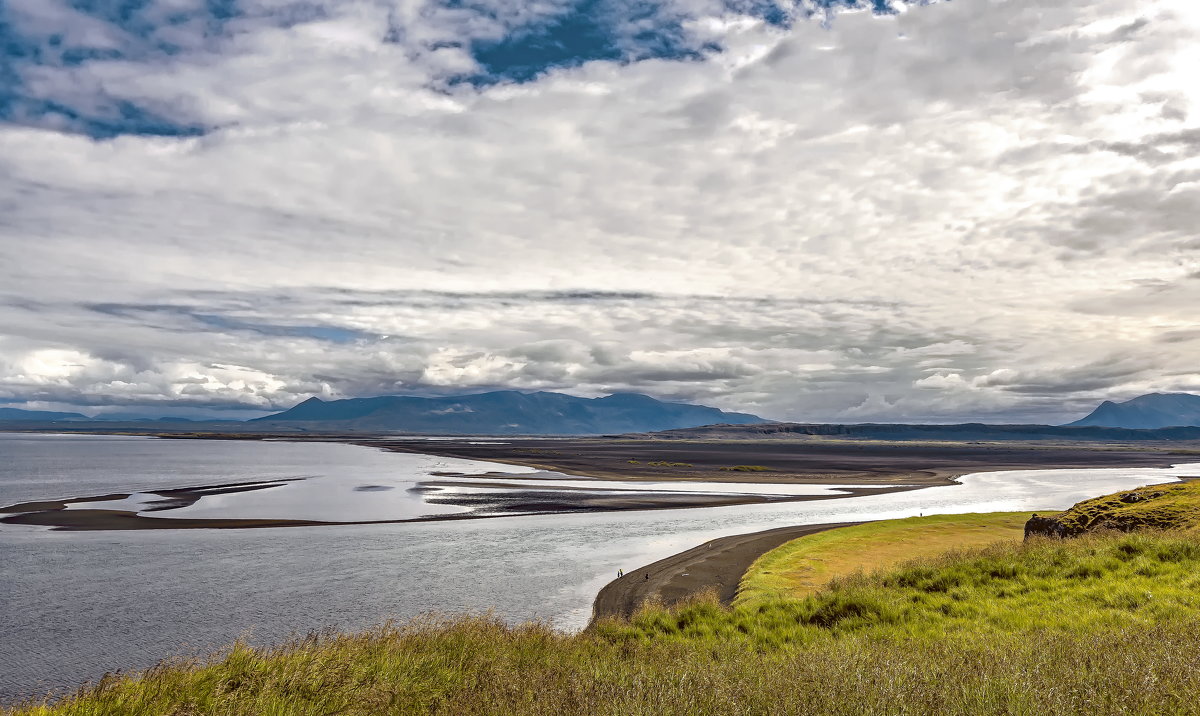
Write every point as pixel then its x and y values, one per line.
pixel 76 604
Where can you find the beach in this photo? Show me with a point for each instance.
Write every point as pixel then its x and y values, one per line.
pixel 715 565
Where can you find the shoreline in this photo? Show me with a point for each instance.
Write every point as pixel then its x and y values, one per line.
pixel 865 469
pixel 718 563
pixel 55 515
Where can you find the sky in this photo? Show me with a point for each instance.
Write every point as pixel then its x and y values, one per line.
pixel 818 211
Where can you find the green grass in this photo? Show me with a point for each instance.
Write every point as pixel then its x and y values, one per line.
pixel 1102 624
pixel 802 566
pixel 746 468
pixel 1088 585
pixel 666 463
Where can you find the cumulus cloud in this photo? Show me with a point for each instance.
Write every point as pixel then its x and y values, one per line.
pixel 967 210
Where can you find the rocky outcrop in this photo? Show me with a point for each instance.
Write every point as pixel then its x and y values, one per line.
pixel 1132 497
pixel 1162 507
pixel 1045 527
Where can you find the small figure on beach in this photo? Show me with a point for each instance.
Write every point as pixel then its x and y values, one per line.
pixel 620 573
pixel 647 576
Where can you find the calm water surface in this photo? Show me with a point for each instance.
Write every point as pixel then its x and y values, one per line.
pixel 76 604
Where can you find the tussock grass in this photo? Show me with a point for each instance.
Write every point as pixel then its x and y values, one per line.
pixel 481 667
pixel 1104 624
pixel 804 565
pixel 746 468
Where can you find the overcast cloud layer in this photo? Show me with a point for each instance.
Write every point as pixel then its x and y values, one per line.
pixel 956 211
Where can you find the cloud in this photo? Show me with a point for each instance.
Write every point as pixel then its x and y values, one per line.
pixel 968 210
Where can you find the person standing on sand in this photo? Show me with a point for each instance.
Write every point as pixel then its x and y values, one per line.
pixel 620 573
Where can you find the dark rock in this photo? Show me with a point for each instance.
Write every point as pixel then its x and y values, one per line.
pixel 1133 497
pixel 1044 527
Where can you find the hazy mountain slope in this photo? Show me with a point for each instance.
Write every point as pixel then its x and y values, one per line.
pixel 1156 410
pixel 16 414
pixel 505 412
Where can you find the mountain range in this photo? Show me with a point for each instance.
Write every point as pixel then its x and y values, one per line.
pixel 509 412
pixel 17 414
pixel 1155 410
pixel 505 412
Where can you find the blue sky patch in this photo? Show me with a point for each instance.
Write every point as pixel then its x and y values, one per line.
pixel 98 31
pixel 331 334
pixel 147 31
pixel 621 30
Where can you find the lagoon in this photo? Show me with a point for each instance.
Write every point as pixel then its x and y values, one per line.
pixel 76 604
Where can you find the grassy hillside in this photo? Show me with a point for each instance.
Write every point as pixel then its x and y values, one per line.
pixel 805 565
pixel 1088 585
pixel 1171 506
pixel 1103 624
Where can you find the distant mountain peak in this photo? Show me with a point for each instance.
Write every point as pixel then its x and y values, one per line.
pixel 628 398
pixel 1146 412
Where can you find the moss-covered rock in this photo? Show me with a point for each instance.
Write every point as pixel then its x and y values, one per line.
pixel 1174 506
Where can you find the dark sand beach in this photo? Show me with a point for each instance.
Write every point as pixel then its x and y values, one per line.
pixel 850 462
pixel 718 564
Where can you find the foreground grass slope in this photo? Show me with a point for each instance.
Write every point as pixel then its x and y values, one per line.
pixel 1103 624
pixel 480 667
pixel 805 565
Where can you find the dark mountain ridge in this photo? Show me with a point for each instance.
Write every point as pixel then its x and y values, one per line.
pixel 1146 412
pixel 22 415
pixel 906 431
pixel 505 412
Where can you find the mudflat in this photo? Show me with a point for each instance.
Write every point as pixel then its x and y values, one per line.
pixel 498 503
pixel 865 467
pixel 852 462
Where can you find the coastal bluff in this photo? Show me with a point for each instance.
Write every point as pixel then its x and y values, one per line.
pixel 1172 506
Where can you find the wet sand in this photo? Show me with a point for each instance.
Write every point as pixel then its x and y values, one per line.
pixel 54 513
pixel 90 520
pixel 718 564
pixel 871 466
pixel 501 502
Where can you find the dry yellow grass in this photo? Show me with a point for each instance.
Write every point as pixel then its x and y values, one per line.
pixel 806 565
